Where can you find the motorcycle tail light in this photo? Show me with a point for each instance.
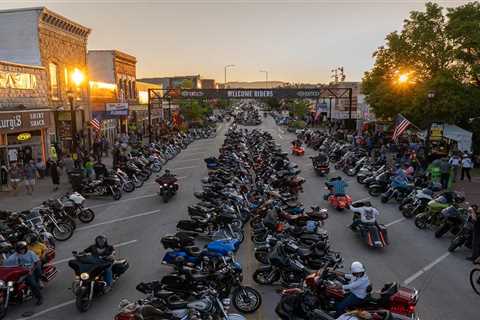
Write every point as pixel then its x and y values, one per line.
pixel 125 316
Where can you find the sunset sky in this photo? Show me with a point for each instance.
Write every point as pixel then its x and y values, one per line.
pixel 296 41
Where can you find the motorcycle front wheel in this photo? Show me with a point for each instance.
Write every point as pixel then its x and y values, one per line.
pixel 63 232
pixel 421 222
pixel 116 194
pixel 374 192
pixel 475 280
pixel 82 303
pixel 246 299
pixel 86 216
pixel 138 182
pixel 128 186
pixel 261 256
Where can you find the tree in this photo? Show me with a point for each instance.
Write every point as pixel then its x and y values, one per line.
pixel 193 110
pixel 299 108
pixel 424 58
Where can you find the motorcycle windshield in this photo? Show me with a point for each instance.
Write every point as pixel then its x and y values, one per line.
pixel 88 264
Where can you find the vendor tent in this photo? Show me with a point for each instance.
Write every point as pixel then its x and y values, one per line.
pixel 462 137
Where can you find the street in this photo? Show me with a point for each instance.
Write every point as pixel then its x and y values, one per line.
pixel 136 223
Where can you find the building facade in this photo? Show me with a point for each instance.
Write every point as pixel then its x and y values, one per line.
pixel 209 84
pixel 113 90
pixel 38 37
pixel 176 82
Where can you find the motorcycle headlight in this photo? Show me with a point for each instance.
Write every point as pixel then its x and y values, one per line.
pixel 84 276
pixel 165 185
pixel 2 284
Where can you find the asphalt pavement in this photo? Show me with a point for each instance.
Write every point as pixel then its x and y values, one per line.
pixel 136 223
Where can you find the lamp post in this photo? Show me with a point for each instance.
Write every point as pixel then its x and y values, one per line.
pixel 266 77
pixel 225 72
pixel 77 78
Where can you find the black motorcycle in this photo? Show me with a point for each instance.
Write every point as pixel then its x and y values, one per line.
pixel 110 185
pixel 168 187
pixel 88 277
pixel 464 237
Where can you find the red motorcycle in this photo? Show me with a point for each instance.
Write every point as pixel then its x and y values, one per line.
pixel 13 289
pixel 323 290
pixel 340 202
pixel 298 150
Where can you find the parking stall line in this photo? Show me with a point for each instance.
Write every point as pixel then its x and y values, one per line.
pixel 183 168
pixel 144 214
pixel 395 222
pixel 425 269
pixel 41 313
pixel 186 160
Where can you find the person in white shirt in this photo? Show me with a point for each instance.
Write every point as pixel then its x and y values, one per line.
pixel 357 288
pixel 467 165
pixel 454 163
pixel 365 214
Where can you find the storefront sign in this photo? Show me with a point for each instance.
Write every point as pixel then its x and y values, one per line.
pixel 116 109
pixel 24 136
pixel 16 80
pixel 23 121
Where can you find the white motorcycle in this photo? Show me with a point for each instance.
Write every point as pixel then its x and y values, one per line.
pixel 73 205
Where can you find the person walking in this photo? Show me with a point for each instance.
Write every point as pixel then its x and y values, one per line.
pixel 68 164
pixel 15 176
pixel 467 165
pixel 54 174
pixel 444 172
pixel 88 167
pixel 455 162
pixel 475 215
pixel 30 174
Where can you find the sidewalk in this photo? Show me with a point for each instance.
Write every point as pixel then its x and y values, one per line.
pixel 43 190
pixel 470 189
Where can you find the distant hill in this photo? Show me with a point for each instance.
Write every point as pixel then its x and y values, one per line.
pixel 255 84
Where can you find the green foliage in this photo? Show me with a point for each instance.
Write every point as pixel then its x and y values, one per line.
pixel 194 110
pixel 439 55
pixel 224 103
pixel 298 124
pixel 299 108
pixel 273 104
pixel 187 84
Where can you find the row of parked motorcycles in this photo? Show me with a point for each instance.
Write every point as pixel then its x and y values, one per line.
pixel 54 220
pixel 206 278
pixel 136 166
pixel 248 116
pixel 421 199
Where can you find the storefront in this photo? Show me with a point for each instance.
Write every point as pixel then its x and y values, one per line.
pixel 24 135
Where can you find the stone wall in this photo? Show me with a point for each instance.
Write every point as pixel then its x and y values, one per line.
pixel 66 50
pixel 30 98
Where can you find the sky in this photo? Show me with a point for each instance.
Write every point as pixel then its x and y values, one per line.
pixel 294 40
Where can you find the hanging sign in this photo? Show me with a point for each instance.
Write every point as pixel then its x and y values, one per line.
pixel 24 136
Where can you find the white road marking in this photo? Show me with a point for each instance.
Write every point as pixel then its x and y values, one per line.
pixel 148 213
pixel 40 313
pixel 118 245
pixel 190 167
pixel 124 200
pixel 364 199
pixel 426 268
pixel 395 222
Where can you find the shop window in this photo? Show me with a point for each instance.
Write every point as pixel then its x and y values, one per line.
pixel 53 69
pixel 134 87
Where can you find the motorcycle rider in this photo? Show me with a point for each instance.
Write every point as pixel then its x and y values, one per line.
pixel 358 287
pixel 27 259
pixel 336 186
pixel 365 214
pixel 103 252
pixel 38 247
pixel 321 157
pixel 475 215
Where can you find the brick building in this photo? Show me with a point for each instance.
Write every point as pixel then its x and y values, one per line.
pixel 38 37
pixel 175 82
pixel 209 84
pixel 114 70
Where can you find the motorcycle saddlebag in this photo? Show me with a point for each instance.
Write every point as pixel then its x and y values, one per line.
pixel 187 225
pixel 120 266
pixel 383 233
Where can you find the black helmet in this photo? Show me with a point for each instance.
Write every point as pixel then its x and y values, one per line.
pixel 21 246
pixel 101 241
pixel 167 171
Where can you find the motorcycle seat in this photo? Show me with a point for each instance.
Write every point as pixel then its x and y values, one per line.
pixel 162 294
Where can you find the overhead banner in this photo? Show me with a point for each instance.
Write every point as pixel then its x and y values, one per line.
pixel 116 109
pixel 279 93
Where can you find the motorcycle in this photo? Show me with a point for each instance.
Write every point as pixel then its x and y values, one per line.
pixel 102 187
pixel 432 214
pixel 339 202
pixel 298 150
pixel 88 277
pixel 13 289
pixel 168 187
pixel 464 236
pixel 321 168
pixel 416 203
pixel 453 219
pixel 374 234
pixel 73 205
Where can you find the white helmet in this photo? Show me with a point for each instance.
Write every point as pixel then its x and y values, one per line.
pixel 357 267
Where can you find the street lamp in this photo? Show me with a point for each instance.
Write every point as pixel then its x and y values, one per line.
pixel 225 72
pixel 77 78
pixel 266 77
pixel 430 97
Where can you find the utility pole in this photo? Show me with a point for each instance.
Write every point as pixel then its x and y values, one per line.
pixel 266 77
pixel 225 72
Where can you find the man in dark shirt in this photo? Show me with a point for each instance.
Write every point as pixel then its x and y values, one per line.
pixel 475 215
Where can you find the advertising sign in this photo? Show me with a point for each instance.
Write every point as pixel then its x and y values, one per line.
pixel 23 121
pixel 116 109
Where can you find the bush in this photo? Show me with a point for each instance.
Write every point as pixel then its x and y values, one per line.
pixel 298 124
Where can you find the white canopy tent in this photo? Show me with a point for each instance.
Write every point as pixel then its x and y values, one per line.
pixel 462 137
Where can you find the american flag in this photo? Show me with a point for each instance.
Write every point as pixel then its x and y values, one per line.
pixel 401 124
pixel 96 124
